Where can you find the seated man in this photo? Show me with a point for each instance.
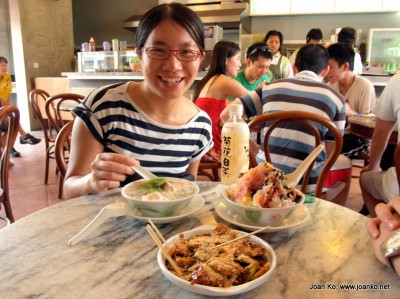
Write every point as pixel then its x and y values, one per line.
pixel 258 60
pixel 376 185
pixel 384 231
pixel 358 92
pixel 305 92
pixel 314 36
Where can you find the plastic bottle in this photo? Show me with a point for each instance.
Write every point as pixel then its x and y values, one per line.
pixel 235 136
pixel 92 45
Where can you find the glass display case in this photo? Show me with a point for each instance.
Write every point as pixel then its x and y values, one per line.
pixel 106 61
pixel 383 49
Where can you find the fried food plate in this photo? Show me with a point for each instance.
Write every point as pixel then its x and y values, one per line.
pixel 216 291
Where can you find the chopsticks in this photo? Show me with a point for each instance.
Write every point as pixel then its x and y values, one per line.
pixel 241 237
pixel 157 236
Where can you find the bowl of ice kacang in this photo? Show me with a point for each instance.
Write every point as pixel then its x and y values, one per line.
pixel 160 197
pixel 261 197
pixel 231 269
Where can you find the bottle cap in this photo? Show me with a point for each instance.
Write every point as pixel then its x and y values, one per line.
pixel 236 109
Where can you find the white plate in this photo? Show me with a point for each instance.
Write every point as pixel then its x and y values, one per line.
pixel 196 204
pixel 300 215
pixel 214 291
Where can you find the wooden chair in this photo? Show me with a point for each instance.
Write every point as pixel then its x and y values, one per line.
pixel 397 162
pixel 38 98
pixel 58 108
pixel 62 149
pixel 209 165
pixel 9 120
pixel 307 119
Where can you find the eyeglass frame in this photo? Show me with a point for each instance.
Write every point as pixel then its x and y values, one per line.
pixel 259 49
pixel 169 52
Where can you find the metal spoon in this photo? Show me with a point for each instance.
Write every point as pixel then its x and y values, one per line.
pixel 293 178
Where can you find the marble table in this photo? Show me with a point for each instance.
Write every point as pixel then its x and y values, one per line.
pixel 118 260
pixel 364 125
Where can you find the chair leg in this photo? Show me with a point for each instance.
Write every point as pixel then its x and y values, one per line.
pixel 46 171
pixel 60 186
pixel 216 175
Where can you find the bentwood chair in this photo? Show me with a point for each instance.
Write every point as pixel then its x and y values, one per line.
pixel 9 122
pixel 294 120
pixel 58 108
pixel 38 98
pixel 62 149
pixel 204 166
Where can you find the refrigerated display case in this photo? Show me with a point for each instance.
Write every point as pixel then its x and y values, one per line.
pixel 105 61
pixel 383 49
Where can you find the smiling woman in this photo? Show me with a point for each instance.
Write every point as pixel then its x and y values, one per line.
pixel 149 122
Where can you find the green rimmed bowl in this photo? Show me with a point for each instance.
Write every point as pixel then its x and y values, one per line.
pixel 160 208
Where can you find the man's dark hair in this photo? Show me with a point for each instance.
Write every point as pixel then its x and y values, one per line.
pixel 315 34
pixel 342 53
pixel 312 58
pixel 347 35
pixel 258 49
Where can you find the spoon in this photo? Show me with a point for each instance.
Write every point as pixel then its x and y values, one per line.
pixel 293 178
pixel 144 173
pixel 119 208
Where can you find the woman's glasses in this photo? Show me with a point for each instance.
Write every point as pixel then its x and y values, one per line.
pixel 259 49
pixel 162 53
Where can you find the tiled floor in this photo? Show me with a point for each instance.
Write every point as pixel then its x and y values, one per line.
pixel 29 193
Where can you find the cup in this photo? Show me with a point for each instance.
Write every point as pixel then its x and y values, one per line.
pixel 115 44
pixel 106 46
pixel 123 45
pixel 85 47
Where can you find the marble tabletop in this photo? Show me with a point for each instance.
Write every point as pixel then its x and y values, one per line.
pixel 118 260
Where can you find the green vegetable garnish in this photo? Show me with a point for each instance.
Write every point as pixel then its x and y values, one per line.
pixel 152 185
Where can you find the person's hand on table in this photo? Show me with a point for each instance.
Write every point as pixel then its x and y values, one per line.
pixel 108 170
pixel 381 227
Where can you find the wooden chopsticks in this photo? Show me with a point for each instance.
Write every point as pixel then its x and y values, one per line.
pixel 157 236
pixel 241 237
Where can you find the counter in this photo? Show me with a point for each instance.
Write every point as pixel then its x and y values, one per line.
pixel 84 83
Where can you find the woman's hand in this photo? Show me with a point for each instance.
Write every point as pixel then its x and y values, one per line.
pixel 108 170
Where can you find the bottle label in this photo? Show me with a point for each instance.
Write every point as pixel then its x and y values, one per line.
pixel 234 151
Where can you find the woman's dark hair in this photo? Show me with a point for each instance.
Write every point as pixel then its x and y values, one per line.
pixel 222 50
pixel 274 32
pixel 342 53
pixel 3 59
pixel 176 12
pixel 312 58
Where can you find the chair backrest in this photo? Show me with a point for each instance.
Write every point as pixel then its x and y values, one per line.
pixel 38 98
pixel 9 122
pixel 397 162
pixel 62 147
pixel 60 104
pixel 307 119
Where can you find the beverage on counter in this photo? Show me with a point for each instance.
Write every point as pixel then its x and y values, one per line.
pixel 235 136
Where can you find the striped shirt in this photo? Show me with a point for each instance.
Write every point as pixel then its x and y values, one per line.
pixel 290 145
pixel 122 127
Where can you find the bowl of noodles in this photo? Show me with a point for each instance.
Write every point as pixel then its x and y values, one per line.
pixel 160 197
pixel 261 197
pixel 231 269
